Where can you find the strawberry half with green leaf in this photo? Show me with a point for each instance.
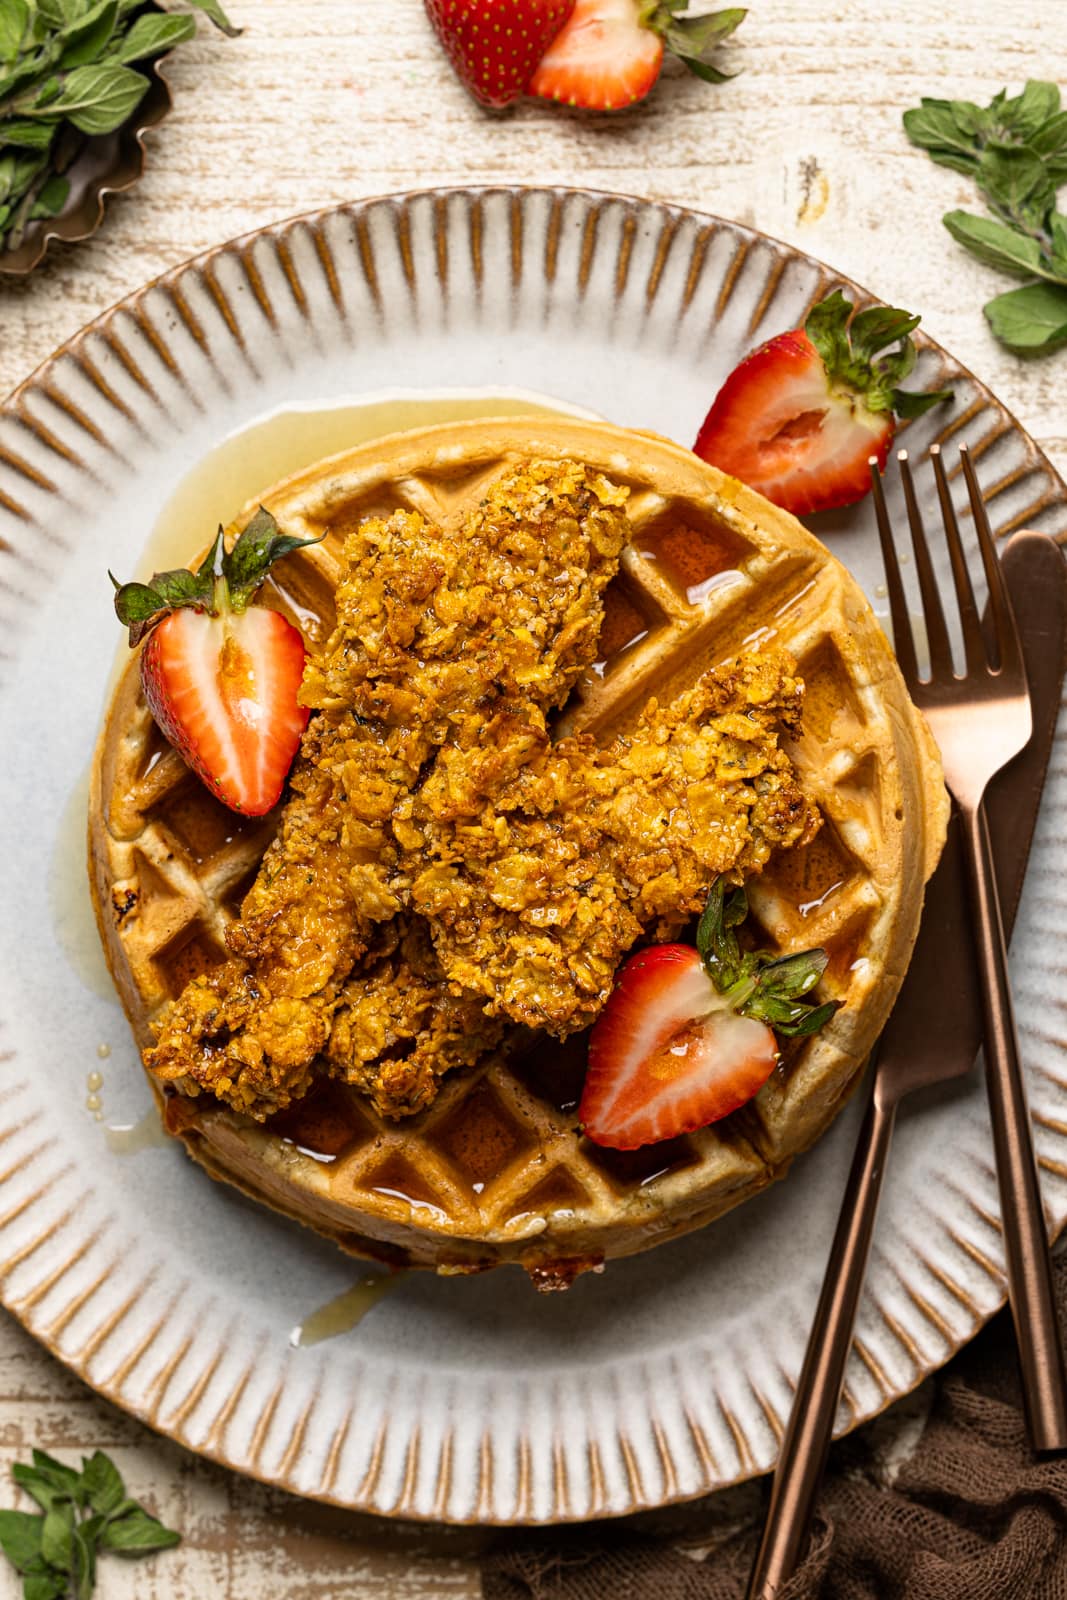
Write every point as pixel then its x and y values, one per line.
pixel 689 1035
pixel 801 417
pixel 610 52
pixel 221 675
pixel 495 45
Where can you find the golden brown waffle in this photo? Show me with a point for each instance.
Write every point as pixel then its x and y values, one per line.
pixel 496 1170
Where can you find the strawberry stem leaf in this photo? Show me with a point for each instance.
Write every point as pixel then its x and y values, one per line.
pixel 851 349
pixel 717 943
pixel 692 39
pixel 223 580
pixel 766 987
pixel 260 545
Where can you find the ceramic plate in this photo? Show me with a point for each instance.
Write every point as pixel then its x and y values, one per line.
pixel 460 1399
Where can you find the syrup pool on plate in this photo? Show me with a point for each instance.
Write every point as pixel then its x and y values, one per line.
pixel 253 458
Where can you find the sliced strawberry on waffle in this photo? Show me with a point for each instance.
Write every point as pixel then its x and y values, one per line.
pixel 801 417
pixel 220 675
pixel 689 1035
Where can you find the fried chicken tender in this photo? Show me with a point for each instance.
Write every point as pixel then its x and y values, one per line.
pixel 401 1025
pixel 436 628
pixel 249 1031
pixel 541 865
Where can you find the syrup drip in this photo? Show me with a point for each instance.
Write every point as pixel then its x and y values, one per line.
pixel 341 1314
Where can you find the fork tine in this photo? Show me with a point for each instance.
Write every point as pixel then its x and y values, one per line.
pixel 1006 637
pixel 973 638
pixel 936 631
pixel 903 640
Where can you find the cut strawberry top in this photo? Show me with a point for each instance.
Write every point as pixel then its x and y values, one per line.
pixel 221 676
pixel 688 1036
pixel 800 418
pixel 609 53
pixel 603 59
pixel 670 1054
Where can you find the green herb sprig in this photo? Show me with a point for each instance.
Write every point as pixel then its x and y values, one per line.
pixel 82 1513
pixel 70 69
pixel 1015 149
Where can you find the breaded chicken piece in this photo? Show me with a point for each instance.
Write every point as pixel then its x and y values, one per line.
pixel 401 1025
pixel 249 1031
pixel 540 865
pixel 436 628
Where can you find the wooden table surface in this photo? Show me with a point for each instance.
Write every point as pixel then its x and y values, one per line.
pixel 330 100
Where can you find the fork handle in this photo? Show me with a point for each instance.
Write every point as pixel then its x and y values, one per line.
pixel 811 1421
pixel 1026 1243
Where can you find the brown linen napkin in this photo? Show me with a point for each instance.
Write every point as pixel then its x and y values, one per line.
pixel 972 1515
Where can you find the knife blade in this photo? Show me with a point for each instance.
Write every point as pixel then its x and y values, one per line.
pixel 934 1033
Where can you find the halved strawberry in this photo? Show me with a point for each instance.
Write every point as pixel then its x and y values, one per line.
pixel 801 417
pixel 609 53
pixel 689 1035
pixel 221 676
pixel 494 45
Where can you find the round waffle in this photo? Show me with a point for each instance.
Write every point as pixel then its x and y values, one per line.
pixel 496 1169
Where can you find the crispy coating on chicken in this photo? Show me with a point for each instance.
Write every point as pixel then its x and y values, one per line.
pixel 437 627
pixel 401 1025
pixel 540 865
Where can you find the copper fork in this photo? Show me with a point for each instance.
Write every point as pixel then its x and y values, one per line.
pixel 932 1036
pixel 981 718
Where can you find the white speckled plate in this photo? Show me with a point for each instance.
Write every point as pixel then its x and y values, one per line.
pixel 466 1400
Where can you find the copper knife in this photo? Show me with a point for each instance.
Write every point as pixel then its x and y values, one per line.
pixel 934 1033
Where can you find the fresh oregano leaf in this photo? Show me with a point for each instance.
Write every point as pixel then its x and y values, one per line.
pixel 20 1536
pixel 98 99
pixel 87 39
pixel 137 1534
pixel 64 1478
pixel 44 1492
pixel 27 133
pixel 83 1562
pixel 54 13
pixel 71 63
pixel 1050 143
pixel 45 1585
pixel 14 18
pixel 1016 181
pixel 150 36
pixel 103 1483
pixel 52 198
pixel 1058 230
pixel 1030 321
pixel 56 1551
pixel 1016 150
pixel 995 243
pixel 935 127
pixel 1029 111
pixel 57 1535
pixel 213 10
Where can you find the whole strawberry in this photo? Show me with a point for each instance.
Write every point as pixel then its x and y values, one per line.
pixel 496 45
pixel 220 675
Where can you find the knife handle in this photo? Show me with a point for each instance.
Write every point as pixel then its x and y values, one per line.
pixel 1026 1246
pixel 811 1422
